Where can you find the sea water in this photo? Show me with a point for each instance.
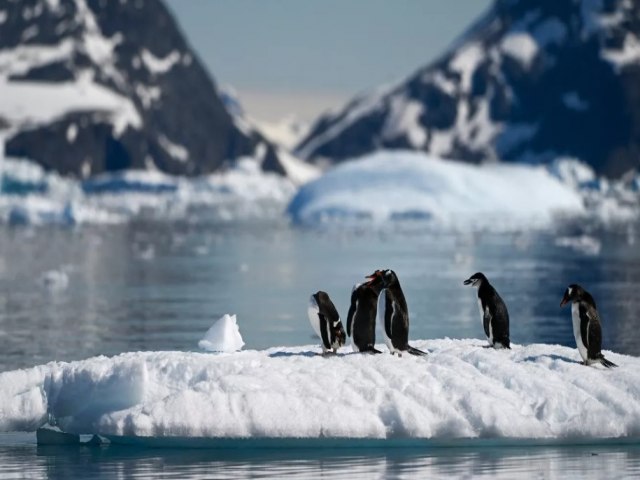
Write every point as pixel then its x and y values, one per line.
pixel 72 293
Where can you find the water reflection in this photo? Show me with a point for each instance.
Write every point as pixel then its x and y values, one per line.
pixel 485 462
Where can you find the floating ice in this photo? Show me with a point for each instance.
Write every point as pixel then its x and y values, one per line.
pixel 54 280
pixel 31 196
pixel 223 336
pixel 460 391
pixel 583 243
pixel 408 186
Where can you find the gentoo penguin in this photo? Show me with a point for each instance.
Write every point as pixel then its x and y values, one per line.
pixel 361 319
pixel 326 322
pixel 393 314
pixel 493 311
pixel 586 325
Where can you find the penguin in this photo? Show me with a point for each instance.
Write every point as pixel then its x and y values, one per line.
pixel 361 319
pixel 326 322
pixel 393 314
pixel 493 311
pixel 586 325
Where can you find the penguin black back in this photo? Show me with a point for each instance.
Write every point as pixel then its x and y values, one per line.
pixel 394 314
pixel 587 328
pixel 493 311
pixel 361 319
pixel 325 321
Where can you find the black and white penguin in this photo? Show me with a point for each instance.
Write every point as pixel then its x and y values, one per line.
pixel 493 311
pixel 326 322
pixel 586 325
pixel 393 314
pixel 361 319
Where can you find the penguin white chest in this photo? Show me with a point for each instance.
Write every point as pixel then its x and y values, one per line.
pixel 313 312
pixel 482 313
pixel 575 317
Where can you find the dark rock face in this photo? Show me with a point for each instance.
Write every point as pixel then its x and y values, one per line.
pixel 129 91
pixel 532 80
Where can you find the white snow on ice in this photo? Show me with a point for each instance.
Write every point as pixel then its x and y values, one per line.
pixel 404 119
pixel 29 103
pixel 466 61
pixel 520 46
pixel 223 336
pixel 460 390
pixel 178 152
pixel 158 65
pixel 409 185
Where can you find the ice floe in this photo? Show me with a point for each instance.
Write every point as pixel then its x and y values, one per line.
pixel 460 391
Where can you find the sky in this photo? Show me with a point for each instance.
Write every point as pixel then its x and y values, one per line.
pixel 301 57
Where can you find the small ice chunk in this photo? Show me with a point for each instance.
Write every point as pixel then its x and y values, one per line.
pixel 54 280
pixel 49 435
pixel 223 336
pixel 584 243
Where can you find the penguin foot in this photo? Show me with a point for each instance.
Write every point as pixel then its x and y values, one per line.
pixel 417 352
pixel 606 363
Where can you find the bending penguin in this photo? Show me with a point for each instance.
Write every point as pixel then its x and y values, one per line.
pixel 586 325
pixel 326 322
pixel 361 319
pixel 393 314
pixel 493 311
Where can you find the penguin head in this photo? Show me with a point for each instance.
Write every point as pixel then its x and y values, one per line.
pixel 375 279
pixel 389 278
pixel 476 279
pixel 382 278
pixel 574 293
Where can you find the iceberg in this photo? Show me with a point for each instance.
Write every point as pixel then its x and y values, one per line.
pixel 460 392
pixel 390 185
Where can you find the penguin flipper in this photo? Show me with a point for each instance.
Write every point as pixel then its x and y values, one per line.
pixel 352 310
pixel 324 331
pixel 415 351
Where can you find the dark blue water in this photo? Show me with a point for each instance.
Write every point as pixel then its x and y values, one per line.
pixel 160 287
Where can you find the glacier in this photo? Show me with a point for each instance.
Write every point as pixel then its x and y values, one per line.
pixel 461 391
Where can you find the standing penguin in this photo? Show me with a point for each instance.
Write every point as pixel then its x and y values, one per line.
pixel 326 322
pixel 361 319
pixel 493 311
pixel 586 325
pixel 393 314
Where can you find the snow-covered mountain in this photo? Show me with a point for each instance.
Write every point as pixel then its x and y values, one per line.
pixel 89 86
pixel 530 81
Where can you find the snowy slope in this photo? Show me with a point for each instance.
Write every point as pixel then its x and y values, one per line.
pixel 89 86
pixel 460 390
pixel 530 81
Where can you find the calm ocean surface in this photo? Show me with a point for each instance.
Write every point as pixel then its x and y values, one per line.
pixel 161 286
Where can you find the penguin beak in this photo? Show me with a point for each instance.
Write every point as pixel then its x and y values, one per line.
pixel 468 281
pixel 370 279
pixel 565 300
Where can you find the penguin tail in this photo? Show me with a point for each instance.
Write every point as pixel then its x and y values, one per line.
pixel 606 363
pixel 415 351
